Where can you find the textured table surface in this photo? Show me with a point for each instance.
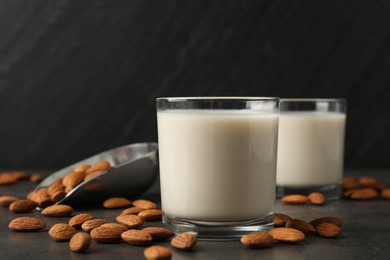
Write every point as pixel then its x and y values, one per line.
pixel 365 233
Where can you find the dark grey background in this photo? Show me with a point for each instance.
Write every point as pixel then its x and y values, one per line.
pixel 81 76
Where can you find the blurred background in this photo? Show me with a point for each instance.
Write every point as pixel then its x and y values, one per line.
pixel 78 77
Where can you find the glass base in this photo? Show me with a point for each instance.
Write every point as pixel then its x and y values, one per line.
pixel 205 230
pixel 331 192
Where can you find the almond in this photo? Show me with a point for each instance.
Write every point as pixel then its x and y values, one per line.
pixel 36 178
pixel 58 195
pixel 301 225
pixel 130 221
pixel 376 186
pixel 365 194
pixel 295 199
pixel 5 201
pixel 350 182
pixel 61 232
pixel 82 168
pixel 151 214
pixel 157 253
pixel 159 233
pixel 349 192
pixel 281 219
pixel 26 224
pixel 99 166
pixel 20 175
pixel 333 220
pixel 92 174
pixel 73 179
pixel 80 242
pixel 42 198
pixel 79 219
pixel 22 206
pixel 88 225
pixel 108 233
pixel 7 179
pixel 145 204
pixel 257 240
pixel 386 194
pixel 136 237
pixel 288 235
pixel 366 180
pixel 60 210
pixel 184 241
pixel 131 211
pixel 116 202
pixel 316 198
pixel 328 230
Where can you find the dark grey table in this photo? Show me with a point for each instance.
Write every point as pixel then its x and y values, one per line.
pixel 365 234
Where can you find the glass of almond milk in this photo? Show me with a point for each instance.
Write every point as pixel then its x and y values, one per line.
pixel 217 160
pixel 311 146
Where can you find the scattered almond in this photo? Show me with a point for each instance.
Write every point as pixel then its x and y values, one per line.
pixel 36 178
pixel 333 220
pixel 7 179
pixel 5 201
pixel 145 204
pixel 157 253
pixel 184 241
pixel 80 242
pixel 130 221
pixel 26 224
pixel 295 199
pixel 257 240
pixel 60 210
pixel 350 182
pixel 288 235
pixel 20 175
pixel 108 233
pixel 131 211
pixel 364 194
pixel 386 194
pixel 61 232
pixel 79 219
pixel 22 206
pixel 159 233
pixel 136 237
pixel 328 230
pixel 316 198
pixel 116 202
pixel 301 225
pixel 366 180
pixel 151 214
pixel 88 225
pixel 281 219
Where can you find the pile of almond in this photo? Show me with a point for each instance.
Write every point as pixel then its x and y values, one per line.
pixel 364 188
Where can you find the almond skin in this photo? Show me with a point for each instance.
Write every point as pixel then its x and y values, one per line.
pixel 131 211
pixel 108 233
pixel 316 198
pixel 364 194
pixel 333 220
pixel 144 204
pixel 136 237
pixel 287 235
pixel 281 219
pixel 61 232
pixel 22 206
pixel 151 214
pixel 257 240
pixel 130 221
pixel 80 242
pixel 386 193
pixel 184 241
pixel 301 225
pixel 157 253
pixel 159 233
pixel 295 199
pixel 328 230
pixel 24 224
pixel 58 211
pixel 116 202
pixel 5 201
pixel 79 219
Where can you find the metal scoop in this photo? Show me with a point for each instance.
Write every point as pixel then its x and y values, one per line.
pixel 134 169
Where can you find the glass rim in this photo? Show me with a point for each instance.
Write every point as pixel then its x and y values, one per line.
pixel 217 98
pixel 329 100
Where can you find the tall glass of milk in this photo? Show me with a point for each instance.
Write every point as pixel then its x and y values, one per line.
pixel 311 146
pixel 217 160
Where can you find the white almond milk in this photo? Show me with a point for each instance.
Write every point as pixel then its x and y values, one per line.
pixel 217 165
pixel 310 149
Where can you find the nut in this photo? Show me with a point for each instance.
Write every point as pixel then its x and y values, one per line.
pixel 365 194
pixel 61 232
pixel 366 180
pixel 159 233
pixel 328 230
pixel 145 204
pixel 131 211
pixel 350 182
pixel 108 233
pixel 184 241
pixel 136 237
pixel 333 220
pixel 116 202
pixel 301 225
pixel 281 219
pixel 157 253
pixel 130 221
pixel 79 219
pixel 316 198
pixel 5 201
pixel 151 214
pixel 57 211
pixel 73 179
pixel 36 178
pixel 42 198
pixel 288 235
pixel 99 166
pixel 82 168
pixel 7 179
pixel 257 240
pixel 295 199
pixel 88 225
pixel 386 194
pixel 22 206
pixel 80 242
pixel 26 224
